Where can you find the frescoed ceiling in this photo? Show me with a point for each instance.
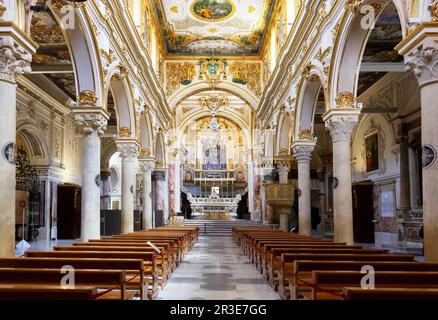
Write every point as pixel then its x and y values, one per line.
pixel 52 58
pixel 225 27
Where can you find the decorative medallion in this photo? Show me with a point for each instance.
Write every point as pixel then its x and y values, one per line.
pixel 213 10
pixel 132 189
pixel 8 152
pixel 97 180
pixel 299 193
pixel 335 182
pixel 429 156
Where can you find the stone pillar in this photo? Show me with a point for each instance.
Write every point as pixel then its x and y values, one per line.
pixel 303 154
pixel 251 186
pixel 283 212
pixel 92 121
pixel 147 165
pixel 421 56
pixel 177 186
pixel 129 151
pixel 263 201
pixel 105 190
pixel 405 182
pixel 13 62
pixel 341 123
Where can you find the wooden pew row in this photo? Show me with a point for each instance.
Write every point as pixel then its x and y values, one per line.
pixel 150 271
pixel 133 268
pixel 162 260
pixel 288 259
pixel 111 282
pixel 328 285
pixel 45 292
pixel 275 255
pixel 395 293
pixel 299 283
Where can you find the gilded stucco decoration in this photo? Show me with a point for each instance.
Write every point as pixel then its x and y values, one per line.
pixel 433 8
pixel 178 74
pixel 124 132
pixel 345 100
pixel 247 74
pixel 87 97
pixel 305 134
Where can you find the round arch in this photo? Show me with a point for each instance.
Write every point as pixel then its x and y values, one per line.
pixel 283 134
pixel 35 143
pixel 235 89
pixel 349 48
pixel 84 51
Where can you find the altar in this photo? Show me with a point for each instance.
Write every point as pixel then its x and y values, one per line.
pixel 214 207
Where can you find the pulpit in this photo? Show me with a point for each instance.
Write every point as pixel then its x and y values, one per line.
pixel 281 198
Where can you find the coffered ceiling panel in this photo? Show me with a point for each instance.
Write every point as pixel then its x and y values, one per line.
pixel 222 27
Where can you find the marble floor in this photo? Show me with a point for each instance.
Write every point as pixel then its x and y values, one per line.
pixel 216 269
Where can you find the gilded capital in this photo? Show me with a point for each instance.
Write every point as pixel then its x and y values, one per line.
pixel 125 132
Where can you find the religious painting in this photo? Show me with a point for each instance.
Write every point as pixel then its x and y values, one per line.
pixel 9 152
pixel 214 154
pixel 213 10
pixel 372 152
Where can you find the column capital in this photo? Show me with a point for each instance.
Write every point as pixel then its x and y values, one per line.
pixel 92 119
pixel 341 123
pixel 129 149
pixel 14 61
pixel 303 150
pixel 420 49
pixel 283 168
pixel 147 165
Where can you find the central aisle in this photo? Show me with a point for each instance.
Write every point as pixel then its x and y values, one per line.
pixel 216 269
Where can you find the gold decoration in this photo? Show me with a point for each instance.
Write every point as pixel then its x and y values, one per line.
pixel 352 5
pixel 144 153
pixel 123 73
pixel 247 73
pixel 283 152
pixel 177 74
pixel 433 8
pixel 345 100
pixel 305 134
pixel 57 4
pixel 87 97
pixel 2 10
pixel 125 132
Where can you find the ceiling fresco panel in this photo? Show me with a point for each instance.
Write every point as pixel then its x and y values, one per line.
pixel 222 27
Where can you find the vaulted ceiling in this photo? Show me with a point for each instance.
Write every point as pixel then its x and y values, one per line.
pixel 222 27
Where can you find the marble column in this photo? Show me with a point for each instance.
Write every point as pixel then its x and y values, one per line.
pixel 147 167
pixel 129 151
pixel 341 123
pixel 303 154
pixel 13 62
pixel 251 187
pixel 92 121
pixel 283 212
pixel 422 59
pixel 177 186
pixel 105 191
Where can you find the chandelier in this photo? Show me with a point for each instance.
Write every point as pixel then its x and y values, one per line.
pixel 214 102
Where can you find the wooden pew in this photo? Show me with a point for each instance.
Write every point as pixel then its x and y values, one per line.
pixel 162 260
pixel 45 292
pixel 287 263
pixel 150 271
pixel 133 268
pixel 303 271
pixel 328 285
pixel 390 294
pixel 112 281
pixel 274 258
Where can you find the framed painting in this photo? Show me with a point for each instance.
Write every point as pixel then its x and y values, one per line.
pixel 372 152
